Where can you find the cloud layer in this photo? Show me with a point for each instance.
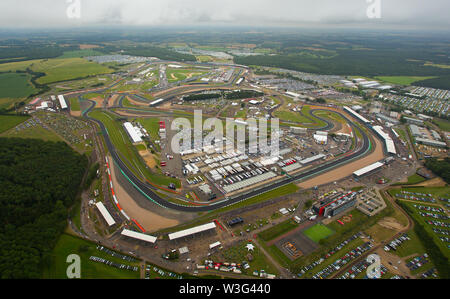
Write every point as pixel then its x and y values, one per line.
pixel 53 13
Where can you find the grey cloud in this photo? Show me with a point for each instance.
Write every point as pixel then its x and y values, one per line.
pixel 32 13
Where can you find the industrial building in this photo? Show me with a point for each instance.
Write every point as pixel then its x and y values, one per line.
pixel 415 131
pixel 431 142
pixel 298 130
pixel 335 204
pixel 387 119
pixel 134 132
pixel 414 121
pixel 62 102
pixel 388 142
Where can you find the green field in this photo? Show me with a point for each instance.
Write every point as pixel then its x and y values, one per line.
pixel 74 104
pixel 10 121
pixel 318 232
pixel 151 125
pixel 58 70
pixel 175 75
pixel 442 124
pixel 36 132
pixel 15 85
pixel 278 192
pixel 301 117
pixel 81 53
pixel 68 245
pixel 402 80
pixel 278 230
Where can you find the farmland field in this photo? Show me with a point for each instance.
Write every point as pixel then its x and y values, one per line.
pixel 10 121
pixel 58 70
pixel 36 132
pixel 402 80
pixel 15 85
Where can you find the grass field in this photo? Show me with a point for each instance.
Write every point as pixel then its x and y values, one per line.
pixel 68 245
pixel 412 180
pixel 14 85
pixel 281 191
pixel 301 117
pixel 36 132
pixel 57 70
pixel 175 75
pixel 74 104
pixel 81 53
pixel 278 230
pixel 151 125
pixel 402 80
pixel 10 121
pixel 442 124
pixel 318 232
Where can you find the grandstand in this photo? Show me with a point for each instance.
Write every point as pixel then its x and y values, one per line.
pixel 357 115
pixel 104 212
pixel 138 236
pixel 192 231
pixel 368 169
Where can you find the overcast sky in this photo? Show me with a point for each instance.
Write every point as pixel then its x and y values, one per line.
pixel 426 14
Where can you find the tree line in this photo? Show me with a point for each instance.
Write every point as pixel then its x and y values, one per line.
pixel 40 181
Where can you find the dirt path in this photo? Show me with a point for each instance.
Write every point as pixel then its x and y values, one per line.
pixel 346 170
pixel 149 220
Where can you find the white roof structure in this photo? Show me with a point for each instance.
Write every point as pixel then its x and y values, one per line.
pixel 357 115
pixel 134 132
pixel 312 159
pixel 138 236
pixel 106 215
pixel 62 102
pixel 156 102
pixel 292 94
pixel 248 182
pixel 321 139
pixel 214 245
pixel 389 143
pixel 292 167
pixel 192 231
pixel 183 250
pixel 368 169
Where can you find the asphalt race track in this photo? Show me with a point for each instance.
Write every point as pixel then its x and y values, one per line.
pixel 148 190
